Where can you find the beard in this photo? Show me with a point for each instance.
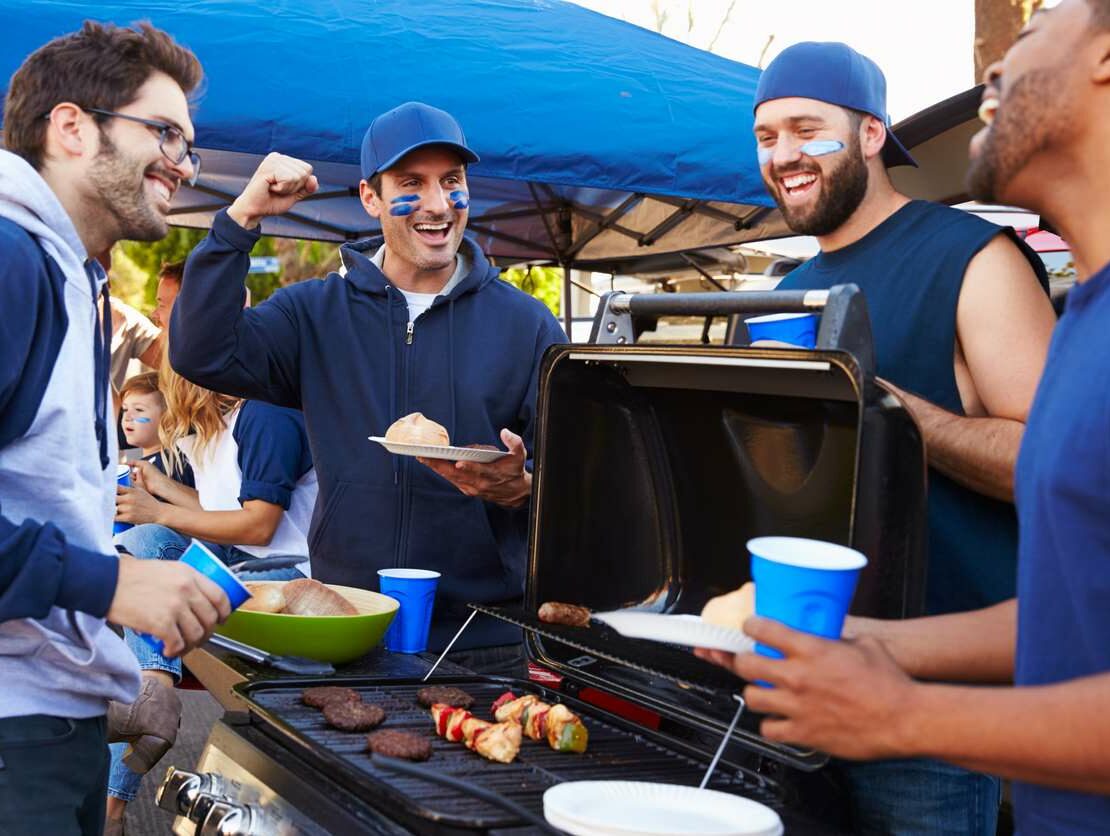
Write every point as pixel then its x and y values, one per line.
pixel 842 191
pixel 1027 124
pixel 122 195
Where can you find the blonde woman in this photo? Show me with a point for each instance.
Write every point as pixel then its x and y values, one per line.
pixel 255 490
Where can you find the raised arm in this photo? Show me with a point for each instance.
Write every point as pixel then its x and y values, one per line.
pixel 214 341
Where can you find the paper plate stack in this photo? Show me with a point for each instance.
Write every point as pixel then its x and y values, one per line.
pixel 637 808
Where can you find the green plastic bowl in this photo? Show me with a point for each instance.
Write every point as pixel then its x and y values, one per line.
pixel 326 638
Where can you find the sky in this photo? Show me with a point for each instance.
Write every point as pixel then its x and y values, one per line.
pixel 923 46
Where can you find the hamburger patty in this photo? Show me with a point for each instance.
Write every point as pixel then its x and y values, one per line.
pixel 327 694
pixel 454 697
pixel 353 716
pixel 399 744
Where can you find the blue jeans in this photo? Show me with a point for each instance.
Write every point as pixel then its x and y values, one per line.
pixel 156 542
pixel 921 798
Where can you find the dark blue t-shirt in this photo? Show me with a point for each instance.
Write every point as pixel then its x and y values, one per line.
pixel 1063 499
pixel 273 452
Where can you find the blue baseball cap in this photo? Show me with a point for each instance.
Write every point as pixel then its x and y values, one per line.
pixel 837 74
pixel 408 127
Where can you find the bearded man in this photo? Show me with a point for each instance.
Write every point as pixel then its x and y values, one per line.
pixel 961 321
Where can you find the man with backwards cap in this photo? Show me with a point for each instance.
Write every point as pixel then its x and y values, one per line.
pixel 419 322
pixel 1047 110
pixel 961 321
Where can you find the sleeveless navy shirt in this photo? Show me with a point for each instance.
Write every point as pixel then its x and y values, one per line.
pixel 910 269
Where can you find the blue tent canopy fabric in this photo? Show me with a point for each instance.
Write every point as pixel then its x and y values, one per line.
pixel 599 141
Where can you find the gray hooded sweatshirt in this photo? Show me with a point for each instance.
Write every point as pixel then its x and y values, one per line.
pixel 57 498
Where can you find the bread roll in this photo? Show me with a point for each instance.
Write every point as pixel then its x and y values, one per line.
pixel 733 609
pixel 266 596
pixel 306 596
pixel 416 429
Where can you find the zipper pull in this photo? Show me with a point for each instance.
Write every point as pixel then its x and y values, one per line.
pixel 408 333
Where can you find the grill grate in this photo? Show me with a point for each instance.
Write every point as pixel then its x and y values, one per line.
pixel 613 753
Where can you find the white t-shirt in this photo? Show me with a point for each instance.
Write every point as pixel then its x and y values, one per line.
pixel 420 302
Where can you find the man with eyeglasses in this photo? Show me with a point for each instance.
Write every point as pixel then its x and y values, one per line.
pixel 97 131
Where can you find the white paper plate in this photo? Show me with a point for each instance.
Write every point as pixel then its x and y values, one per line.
pixel 688 630
pixel 637 808
pixel 451 454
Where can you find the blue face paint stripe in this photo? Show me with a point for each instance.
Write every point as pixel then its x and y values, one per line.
pixel 814 148
pixel 404 204
pixel 459 199
pixel 140 420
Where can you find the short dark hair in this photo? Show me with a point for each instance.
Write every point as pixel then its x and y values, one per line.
pixel 172 270
pixel 101 66
pixel 374 181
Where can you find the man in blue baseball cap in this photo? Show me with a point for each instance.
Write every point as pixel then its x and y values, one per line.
pixel 961 322
pixel 419 321
pixel 1043 724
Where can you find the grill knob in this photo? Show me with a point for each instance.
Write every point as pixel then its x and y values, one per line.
pixel 202 807
pixel 226 818
pixel 180 790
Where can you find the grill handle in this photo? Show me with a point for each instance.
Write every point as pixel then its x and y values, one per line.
pixel 414 771
pixel 845 323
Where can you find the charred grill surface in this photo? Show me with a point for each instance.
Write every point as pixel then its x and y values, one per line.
pixel 615 752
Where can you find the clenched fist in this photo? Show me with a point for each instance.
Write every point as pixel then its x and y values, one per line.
pixel 274 188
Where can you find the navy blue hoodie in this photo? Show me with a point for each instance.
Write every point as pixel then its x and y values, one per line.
pixel 341 351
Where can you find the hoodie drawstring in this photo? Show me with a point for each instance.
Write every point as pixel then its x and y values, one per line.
pixel 102 362
pixel 392 375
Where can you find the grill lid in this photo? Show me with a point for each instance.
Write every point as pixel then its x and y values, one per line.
pixel 654 465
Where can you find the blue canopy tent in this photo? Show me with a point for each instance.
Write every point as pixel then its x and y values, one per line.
pixel 601 142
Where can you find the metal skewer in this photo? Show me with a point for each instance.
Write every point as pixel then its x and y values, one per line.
pixel 724 742
pixel 450 644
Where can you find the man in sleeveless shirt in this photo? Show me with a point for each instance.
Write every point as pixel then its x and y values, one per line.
pixel 1047 109
pixel 961 322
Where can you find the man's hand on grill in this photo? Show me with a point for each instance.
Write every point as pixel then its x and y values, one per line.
pixel 848 698
pixel 503 482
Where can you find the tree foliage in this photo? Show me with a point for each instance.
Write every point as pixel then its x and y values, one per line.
pixel 545 283
pixel 135 264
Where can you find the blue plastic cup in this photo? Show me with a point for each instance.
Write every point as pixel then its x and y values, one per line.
pixel 798 329
pixel 200 557
pixel 805 584
pixel 123 479
pixel 415 589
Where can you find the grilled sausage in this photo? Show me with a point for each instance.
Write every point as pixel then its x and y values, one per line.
pixel 554 612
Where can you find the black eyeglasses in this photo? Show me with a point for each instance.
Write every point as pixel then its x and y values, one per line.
pixel 171 142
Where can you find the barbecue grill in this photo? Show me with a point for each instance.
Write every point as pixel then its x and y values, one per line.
pixel 653 466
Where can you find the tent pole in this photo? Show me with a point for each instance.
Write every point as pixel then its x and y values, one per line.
pixel 568 308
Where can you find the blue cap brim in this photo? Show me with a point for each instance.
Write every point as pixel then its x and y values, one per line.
pixel 467 155
pixel 894 152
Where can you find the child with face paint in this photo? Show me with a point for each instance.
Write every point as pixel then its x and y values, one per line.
pixel 141 411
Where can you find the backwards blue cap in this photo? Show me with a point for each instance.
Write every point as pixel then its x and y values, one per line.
pixel 837 74
pixel 408 127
